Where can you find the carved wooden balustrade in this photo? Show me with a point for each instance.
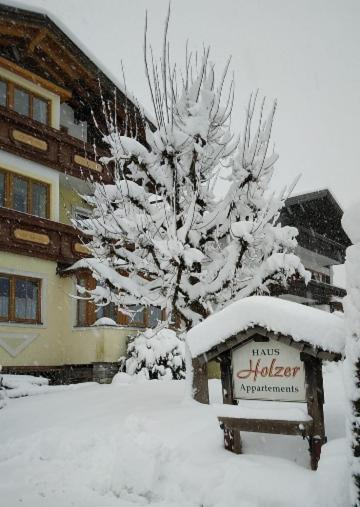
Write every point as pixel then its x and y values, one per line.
pixel 53 148
pixel 320 244
pixel 321 292
pixel 25 234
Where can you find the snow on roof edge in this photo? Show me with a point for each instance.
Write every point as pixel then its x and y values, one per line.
pixel 324 190
pixel 321 329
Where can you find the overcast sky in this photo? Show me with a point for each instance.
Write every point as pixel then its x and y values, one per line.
pixel 305 53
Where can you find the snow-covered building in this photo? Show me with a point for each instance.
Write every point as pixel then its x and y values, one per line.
pixel 49 92
pixel 322 243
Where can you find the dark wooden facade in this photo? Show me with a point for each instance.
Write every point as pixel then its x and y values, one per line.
pixel 32 236
pixel 317 216
pixel 51 147
pixel 321 293
pixel 33 47
pixel 33 41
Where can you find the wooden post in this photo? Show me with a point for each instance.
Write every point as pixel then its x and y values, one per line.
pixel 315 401
pixel 200 381
pixel 232 437
pixel 226 379
pixel 232 440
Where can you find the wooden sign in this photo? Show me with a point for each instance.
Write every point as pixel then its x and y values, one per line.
pixel 268 370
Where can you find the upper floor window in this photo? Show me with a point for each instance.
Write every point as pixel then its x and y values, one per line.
pixel 24 102
pixel 20 299
pixel 81 213
pixel 320 277
pixel 24 194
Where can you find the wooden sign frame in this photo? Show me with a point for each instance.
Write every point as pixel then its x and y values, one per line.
pixel 313 430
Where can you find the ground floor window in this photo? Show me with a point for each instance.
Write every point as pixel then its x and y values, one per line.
pixel 20 299
pixel 88 313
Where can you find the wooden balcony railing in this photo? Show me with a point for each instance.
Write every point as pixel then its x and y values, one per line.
pixel 53 148
pixel 322 293
pixel 25 234
pixel 321 244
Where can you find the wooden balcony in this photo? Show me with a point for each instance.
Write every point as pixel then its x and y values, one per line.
pixel 322 293
pixel 53 148
pixel 25 234
pixel 322 245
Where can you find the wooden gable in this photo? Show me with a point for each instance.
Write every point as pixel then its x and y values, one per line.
pixel 317 211
pixel 34 43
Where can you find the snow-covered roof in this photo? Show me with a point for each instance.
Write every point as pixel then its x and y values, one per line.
pixel 33 12
pixel 320 329
pixel 314 194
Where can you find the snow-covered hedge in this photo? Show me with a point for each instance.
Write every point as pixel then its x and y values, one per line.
pixel 17 386
pixel 155 354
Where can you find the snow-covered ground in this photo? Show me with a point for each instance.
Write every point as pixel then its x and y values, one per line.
pixel 146 444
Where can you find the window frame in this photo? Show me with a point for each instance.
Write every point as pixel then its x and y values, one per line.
pixel 10 100
pixel 9 192
pixel 11 318
pixel 90 307
pixel 320 277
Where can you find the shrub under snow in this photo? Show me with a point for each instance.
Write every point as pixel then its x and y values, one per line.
pixel 155 355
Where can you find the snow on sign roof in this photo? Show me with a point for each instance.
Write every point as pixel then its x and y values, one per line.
pixel 318 328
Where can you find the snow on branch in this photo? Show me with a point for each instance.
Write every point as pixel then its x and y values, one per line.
pixel 160 236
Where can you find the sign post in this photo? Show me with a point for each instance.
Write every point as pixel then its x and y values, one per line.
pixel 257 364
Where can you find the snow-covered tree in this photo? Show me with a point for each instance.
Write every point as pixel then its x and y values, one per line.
pixel 160 236
pixel 155 354
pixel 351 225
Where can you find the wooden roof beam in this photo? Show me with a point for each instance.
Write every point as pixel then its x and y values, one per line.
pixel 13 29
pixel 48 85
pixel 40 36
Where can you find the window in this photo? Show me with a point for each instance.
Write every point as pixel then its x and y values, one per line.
pixel 20 194
pixel 39 199
pixel 2 189
pixel 81 213
pixel 155 315
pixel 20 299
pixel 40 110
pixel 21 102
pixel 3 93
pixel 24 102
pixel 109 311
pixel 138 318
pixel 320 277
pixel 24 194
pixel 88 313
pixel 82 304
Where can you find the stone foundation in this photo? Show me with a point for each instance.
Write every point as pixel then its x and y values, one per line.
pixel 69 373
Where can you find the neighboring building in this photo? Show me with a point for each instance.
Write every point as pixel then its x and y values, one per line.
pixel 49 92
pixel 322 245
